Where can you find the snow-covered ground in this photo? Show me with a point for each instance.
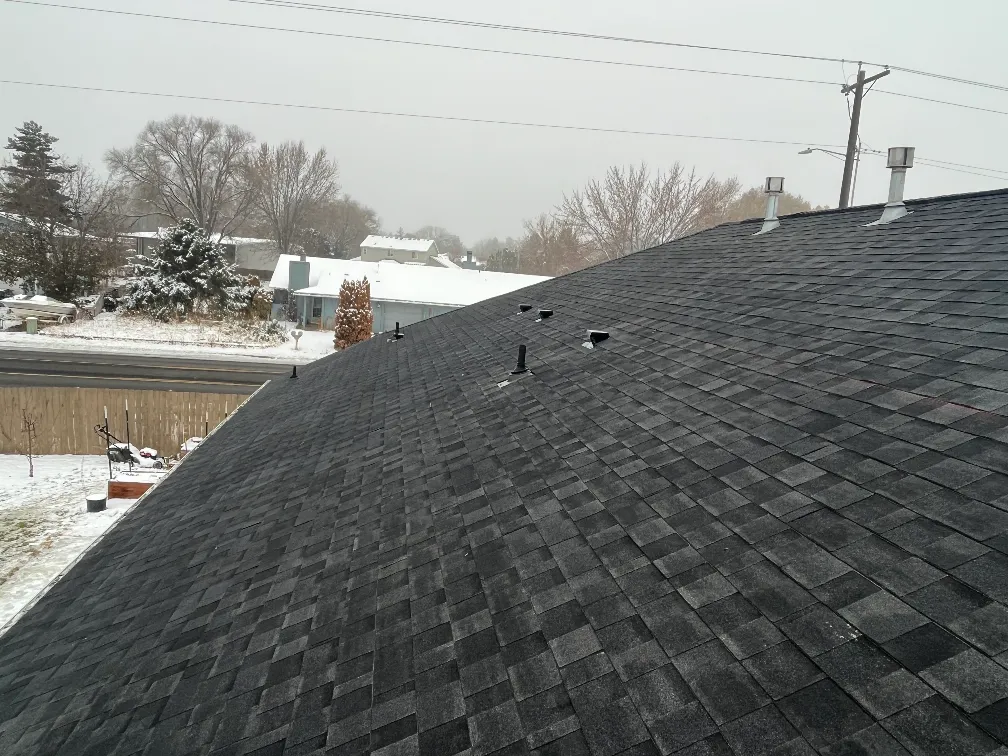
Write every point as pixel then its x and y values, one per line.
pixel 111 333
pixel 44 522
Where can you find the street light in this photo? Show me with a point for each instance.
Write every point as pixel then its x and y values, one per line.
pixel 840 156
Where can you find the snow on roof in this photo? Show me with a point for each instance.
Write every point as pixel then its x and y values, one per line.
pixel 226 240
pixel 426 285
pixel 444 261
pixel 397 242
pixel 320 266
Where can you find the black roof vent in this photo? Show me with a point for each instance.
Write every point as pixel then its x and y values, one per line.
pixel 294 374
pixel 397 334
pixel 594 337
pixel 524 307
pixel 520 367
pixel 543 314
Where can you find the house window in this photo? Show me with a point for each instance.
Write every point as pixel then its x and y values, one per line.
pixel 389 253
pixel 316 310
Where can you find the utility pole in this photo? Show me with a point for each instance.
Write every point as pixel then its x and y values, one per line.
pixel 852 138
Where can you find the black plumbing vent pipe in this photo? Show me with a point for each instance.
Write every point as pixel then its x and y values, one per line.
pixel 543 314
pixel 398 334
pixel 524 307
pixel 520 367
pixel 294 374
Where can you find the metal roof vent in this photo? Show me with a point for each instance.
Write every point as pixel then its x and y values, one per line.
pixel 899 161
pixel 397 334
pixel 774 188
pixel 594 337
pixel 524 308
pixel 543 314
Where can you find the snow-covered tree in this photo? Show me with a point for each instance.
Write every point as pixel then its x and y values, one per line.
pixel 187 274
pixel 353 318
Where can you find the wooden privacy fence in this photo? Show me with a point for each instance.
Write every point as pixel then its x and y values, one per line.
pixel 65 417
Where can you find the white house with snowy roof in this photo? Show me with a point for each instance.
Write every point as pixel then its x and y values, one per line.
pixel 402 250
pixel 400 293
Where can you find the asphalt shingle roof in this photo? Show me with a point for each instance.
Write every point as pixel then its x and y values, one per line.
pixel 768 515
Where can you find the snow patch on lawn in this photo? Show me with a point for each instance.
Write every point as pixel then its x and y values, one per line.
pixel 111 325
pixel 44 522
pixel 113 333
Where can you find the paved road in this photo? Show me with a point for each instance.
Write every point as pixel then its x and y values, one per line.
pixel 23 367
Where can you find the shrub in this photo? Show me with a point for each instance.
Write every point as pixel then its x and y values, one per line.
pixel 354 319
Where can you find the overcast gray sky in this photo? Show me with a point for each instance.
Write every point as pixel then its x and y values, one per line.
pixel 484 180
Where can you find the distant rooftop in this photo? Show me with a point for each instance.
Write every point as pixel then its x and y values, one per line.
pixel 393 282
pixel 398 242
pixel 226 240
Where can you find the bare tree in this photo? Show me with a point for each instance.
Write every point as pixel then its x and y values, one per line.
pixel 551 247
pixel 290 184
pixel 190 167
pixel 632 209
pixel 336 228
pixel 91 247
pixel 28 422
pixel 448 243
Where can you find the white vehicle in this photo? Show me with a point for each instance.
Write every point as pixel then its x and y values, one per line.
pixel 39 306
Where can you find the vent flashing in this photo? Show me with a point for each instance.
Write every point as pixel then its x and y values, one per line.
pixel 595 337
pixel 397 334
pixel 900 160
pixel 773 188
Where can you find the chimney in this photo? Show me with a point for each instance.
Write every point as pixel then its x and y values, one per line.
pixel 469 256
pixel 774 188
pixel 900 159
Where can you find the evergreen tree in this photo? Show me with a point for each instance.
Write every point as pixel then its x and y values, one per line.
pixel 354 319
pixel 32 185
pixel 503 261
pixel 31 190
pixel 187 274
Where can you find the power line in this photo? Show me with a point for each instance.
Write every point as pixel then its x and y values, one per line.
pixel 966 165
pixel 494 51
pixel 526 29
pixel 423 116
pixel 417 43
pixel 953 79
pixel 990 173
pixel 301 5
pixel 943 165
pixel 943 102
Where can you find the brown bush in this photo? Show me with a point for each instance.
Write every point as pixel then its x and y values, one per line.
pixel 353 317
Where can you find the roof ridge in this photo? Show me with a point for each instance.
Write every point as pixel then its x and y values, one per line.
pixel 880 205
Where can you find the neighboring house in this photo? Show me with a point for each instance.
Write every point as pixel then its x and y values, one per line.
pixel 403 294
pixel 401 250
pixel 767 515
pixel 252 257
